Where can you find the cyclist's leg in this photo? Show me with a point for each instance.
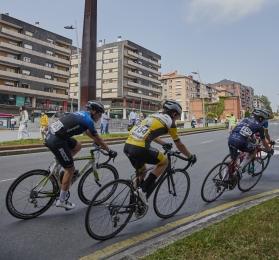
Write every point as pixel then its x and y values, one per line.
pixel 251 151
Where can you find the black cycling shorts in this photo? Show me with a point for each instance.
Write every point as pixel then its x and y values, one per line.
pixel 61 148
pixel 241 146
pixel 139 156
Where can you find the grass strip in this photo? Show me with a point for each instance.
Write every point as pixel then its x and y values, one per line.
pixel 250 234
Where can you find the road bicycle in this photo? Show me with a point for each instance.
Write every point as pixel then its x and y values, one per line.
pixel 32 193
pixel 105 220
pixel 224 176
pixel 261 153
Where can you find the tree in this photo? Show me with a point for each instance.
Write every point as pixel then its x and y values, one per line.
pixel 265 101
pixel 247 114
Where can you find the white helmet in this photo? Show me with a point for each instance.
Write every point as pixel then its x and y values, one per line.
pixel 173 105
pixel 261 112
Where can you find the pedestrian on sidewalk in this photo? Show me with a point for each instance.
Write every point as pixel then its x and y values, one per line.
pixel 105 120
pixel 133 117
pixel 215 120
pixel 23 118
pixel 43 125
pixel 13 122
pixel 59 114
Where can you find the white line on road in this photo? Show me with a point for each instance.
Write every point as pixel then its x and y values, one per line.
pixel 8 180
pixel 206 142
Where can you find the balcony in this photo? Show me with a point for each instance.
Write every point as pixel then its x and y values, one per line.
pixel 31 52
pixel 31 39
pixel 32 92
pixel 141 96
pixel 131 53
pixel 136 85
pixel 18 76
pixel 35 66
pixel 134 64
pixel 137 75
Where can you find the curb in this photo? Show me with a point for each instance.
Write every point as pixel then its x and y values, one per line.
pixel 35 148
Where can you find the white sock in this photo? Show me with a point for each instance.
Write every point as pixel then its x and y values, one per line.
pixel 63 195
pixel 245 161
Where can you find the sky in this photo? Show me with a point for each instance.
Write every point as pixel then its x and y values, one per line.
pixel 236 40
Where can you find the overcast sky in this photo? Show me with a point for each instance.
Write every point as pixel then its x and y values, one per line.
pixel 224 39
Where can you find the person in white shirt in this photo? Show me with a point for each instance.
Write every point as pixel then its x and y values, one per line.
pixel 105 122
pixel 133 117
pixel 23 118
pixel 13 122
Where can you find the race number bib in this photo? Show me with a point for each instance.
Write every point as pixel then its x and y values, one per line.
pixel 56 126
pixel 245 131
pixel 140 132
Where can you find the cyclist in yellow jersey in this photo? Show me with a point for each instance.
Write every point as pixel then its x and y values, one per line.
pixel 138 149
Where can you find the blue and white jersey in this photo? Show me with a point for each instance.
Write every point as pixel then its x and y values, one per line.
pixel 247 128
pixel 73 124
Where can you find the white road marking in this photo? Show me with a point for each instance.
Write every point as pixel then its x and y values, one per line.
pixel 8 180
pixel 206 142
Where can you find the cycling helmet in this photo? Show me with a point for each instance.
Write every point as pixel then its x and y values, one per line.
pixel 261 112
pixel 172 105
pixel 95 105
pixel 268 112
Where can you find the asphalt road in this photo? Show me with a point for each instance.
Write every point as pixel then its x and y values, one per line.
pixel 58 234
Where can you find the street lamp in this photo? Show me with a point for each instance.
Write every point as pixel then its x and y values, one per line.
pixel 71 28
pixel 203 120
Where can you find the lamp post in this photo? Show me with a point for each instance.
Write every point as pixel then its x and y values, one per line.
pixel 140 105
pixel 203 120
pixel 71 27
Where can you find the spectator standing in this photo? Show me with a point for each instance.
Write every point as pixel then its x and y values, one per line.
pixel 43 125
pixel 105 120
pixel 232 122
pixel 13 122
pixel 215 120
pixel 23 118
pixel 133 117
pixel 59 114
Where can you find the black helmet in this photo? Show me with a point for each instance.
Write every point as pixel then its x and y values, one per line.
pixel 95 105
pixel 173 105
pixel 261 112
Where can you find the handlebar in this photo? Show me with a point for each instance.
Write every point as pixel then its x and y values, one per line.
pixel 102 151
pixel 176 154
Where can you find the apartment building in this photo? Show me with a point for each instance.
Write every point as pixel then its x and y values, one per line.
pixel 34 67
pixel 245 93
pixel 257 102
pixel 185 89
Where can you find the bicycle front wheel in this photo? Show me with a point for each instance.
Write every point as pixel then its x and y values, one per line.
pixel 31 194
pixel 90 183
pixel 105 220
pixel 215 182
pixel 265 157
pixel 251 175
pixel 171 193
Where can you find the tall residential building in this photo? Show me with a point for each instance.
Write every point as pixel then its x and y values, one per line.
pixel 126 77
pixel 257 102
pixel 245 93
pixel 184 89
pixel 34 67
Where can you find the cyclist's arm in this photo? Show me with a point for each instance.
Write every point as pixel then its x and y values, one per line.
pixel 98 140
pixel 267 136
pixel 182 148
pixel 265 144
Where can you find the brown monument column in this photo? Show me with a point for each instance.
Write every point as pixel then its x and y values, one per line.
pixel 88 57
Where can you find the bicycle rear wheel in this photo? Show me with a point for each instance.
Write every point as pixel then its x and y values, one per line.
pixel 171 193
pixel 213 185
pixel 105 220
pixel 90 184
pixel 31 194
pixel 251 175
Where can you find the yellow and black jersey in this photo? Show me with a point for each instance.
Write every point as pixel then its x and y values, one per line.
pixel 153 126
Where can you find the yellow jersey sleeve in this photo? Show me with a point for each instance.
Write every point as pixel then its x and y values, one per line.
pixel 173 133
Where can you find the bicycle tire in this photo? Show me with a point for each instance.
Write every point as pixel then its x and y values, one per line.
pixel 251 177
pixel 105 220
pixel 213 186
pixel 88 185
pixel 266 161
pixel 171 194
pixel 20 197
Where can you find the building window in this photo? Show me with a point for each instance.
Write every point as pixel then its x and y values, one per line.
pixel 178 86
pixel 114 60
pixel 140 53
pixel 26 59
pixel 178 80
pixel 50 41
pixel 150 75
pixel 11 56
pixel 106 61
pixel 28 46
pixel 47 76
pixel 26 72
pixel 47 89
pixel 48 65
pixel 106 51
pixel 178 93
pixel 139 62
pixel 24 85
pixel 170 87
pixel 29 33
pixel 140 72
pixel 11 70
pixel 115 50
pixel 10 84
pixel 13 43
pixel 50 53
pixel 150 85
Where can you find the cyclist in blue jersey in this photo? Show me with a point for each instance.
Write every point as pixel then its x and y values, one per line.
pixel 60 142
pixel 243 139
